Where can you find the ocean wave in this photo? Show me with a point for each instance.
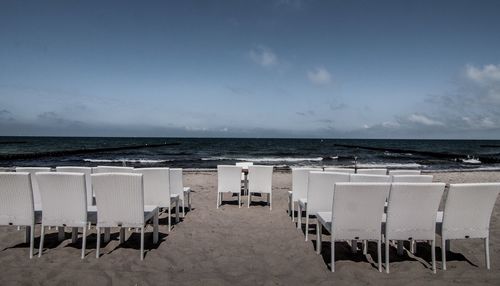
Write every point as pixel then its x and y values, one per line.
pixel 264 159
pixel 389 165
pixel 140 161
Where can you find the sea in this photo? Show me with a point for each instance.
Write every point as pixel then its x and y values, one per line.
pixel 207 153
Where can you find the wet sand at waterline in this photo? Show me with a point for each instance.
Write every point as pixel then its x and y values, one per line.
pixel 241 246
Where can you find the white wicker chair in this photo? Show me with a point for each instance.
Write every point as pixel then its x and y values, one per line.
pixel 405 172
pixel 228 181
pixel 299 190
pixel 411 215
pixel 88 179
pixel 177 187
pixel 157 191
pixel 467 214
pixel 120 203
pixel 412 178
pixel 64 199
pixel 369 178
pixel 340 170
pixel 112 169
pixel 372 171
pixel 260 180
pixel 320 194
pixel 16 204
pixel 34 184
pixel 356 215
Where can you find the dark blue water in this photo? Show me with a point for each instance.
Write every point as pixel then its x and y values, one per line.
pixel 208 153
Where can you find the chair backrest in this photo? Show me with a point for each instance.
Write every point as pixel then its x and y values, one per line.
pixel 412 210
pixel 112 169
pixel 156 183
pixel 299 182
pixel 320 188
pixel 372 171
pixel 412 178
pixel 340 170
pixel 88 180
pixel 404 172
pixel 176 183
pixel 468 209
pixel 228 179
pixel 357 210
pixel 359 178
pixel 244 165
pixel 119 198
pixel 260 179
pixel 34 184
pixel 64 198
pixel 16 199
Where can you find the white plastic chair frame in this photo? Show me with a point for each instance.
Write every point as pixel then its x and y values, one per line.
pixel 411 215
pixel 372 171
pixel 177 187
pixel 16 204
pixel 120 203
pixel 467 214
pixel 36 193
pixel 64 198
pixel 88 180
pixel 356 215
pixel 299 189
pixel 228 181
pixel 260 180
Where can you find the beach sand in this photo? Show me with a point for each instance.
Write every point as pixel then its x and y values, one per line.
pixel 241 246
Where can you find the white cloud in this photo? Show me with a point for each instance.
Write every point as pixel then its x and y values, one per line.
pixel 424 120
pixel 483 75
pixel 390 124
pixel 319 76
pixel 264 56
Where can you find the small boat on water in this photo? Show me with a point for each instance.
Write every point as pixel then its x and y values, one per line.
pixel 471 160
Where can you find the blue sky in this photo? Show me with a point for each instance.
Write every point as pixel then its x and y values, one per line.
pixel 327 69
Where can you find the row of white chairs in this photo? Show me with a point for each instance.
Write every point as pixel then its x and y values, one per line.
pixel 371 171
pixel 259 181
pixel 173 184
pixel 355 211
pixel 119 198
pixel 124 199
pixel 298 194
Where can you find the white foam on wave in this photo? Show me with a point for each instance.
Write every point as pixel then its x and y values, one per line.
pixel 265 159
pixel 140 161
pixel 389 165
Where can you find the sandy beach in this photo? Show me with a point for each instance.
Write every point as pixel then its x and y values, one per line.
pixel 241 246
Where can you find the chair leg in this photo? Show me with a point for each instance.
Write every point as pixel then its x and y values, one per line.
pixel 169 219
pixel 74 234
pixel 155 227
pixel 365 247
pixel 433 251
pixel 98 246
pixel 487 251
pixel 177 213
pixel 142 243
pixel 32 240
pixel 122 235
pixel 189 201
pixel 387 254
pixel 248 199
pixel 42 235
pixel 270 201
pixel 290 205
pixel 239 199
pixel 84 241
pixel 218 199
pixel 293 210
pixel 319 231
pixel 183 212
pixel 307 226
pixel 299 216
pixel 60 234
pixel 333 253
pixel 379 254
pixel 354 246
pixel 400 247
pixel 443 252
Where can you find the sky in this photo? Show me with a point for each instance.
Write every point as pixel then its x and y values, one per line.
pixel 274 68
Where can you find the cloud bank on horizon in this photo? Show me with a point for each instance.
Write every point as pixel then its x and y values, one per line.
pixel 325 69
